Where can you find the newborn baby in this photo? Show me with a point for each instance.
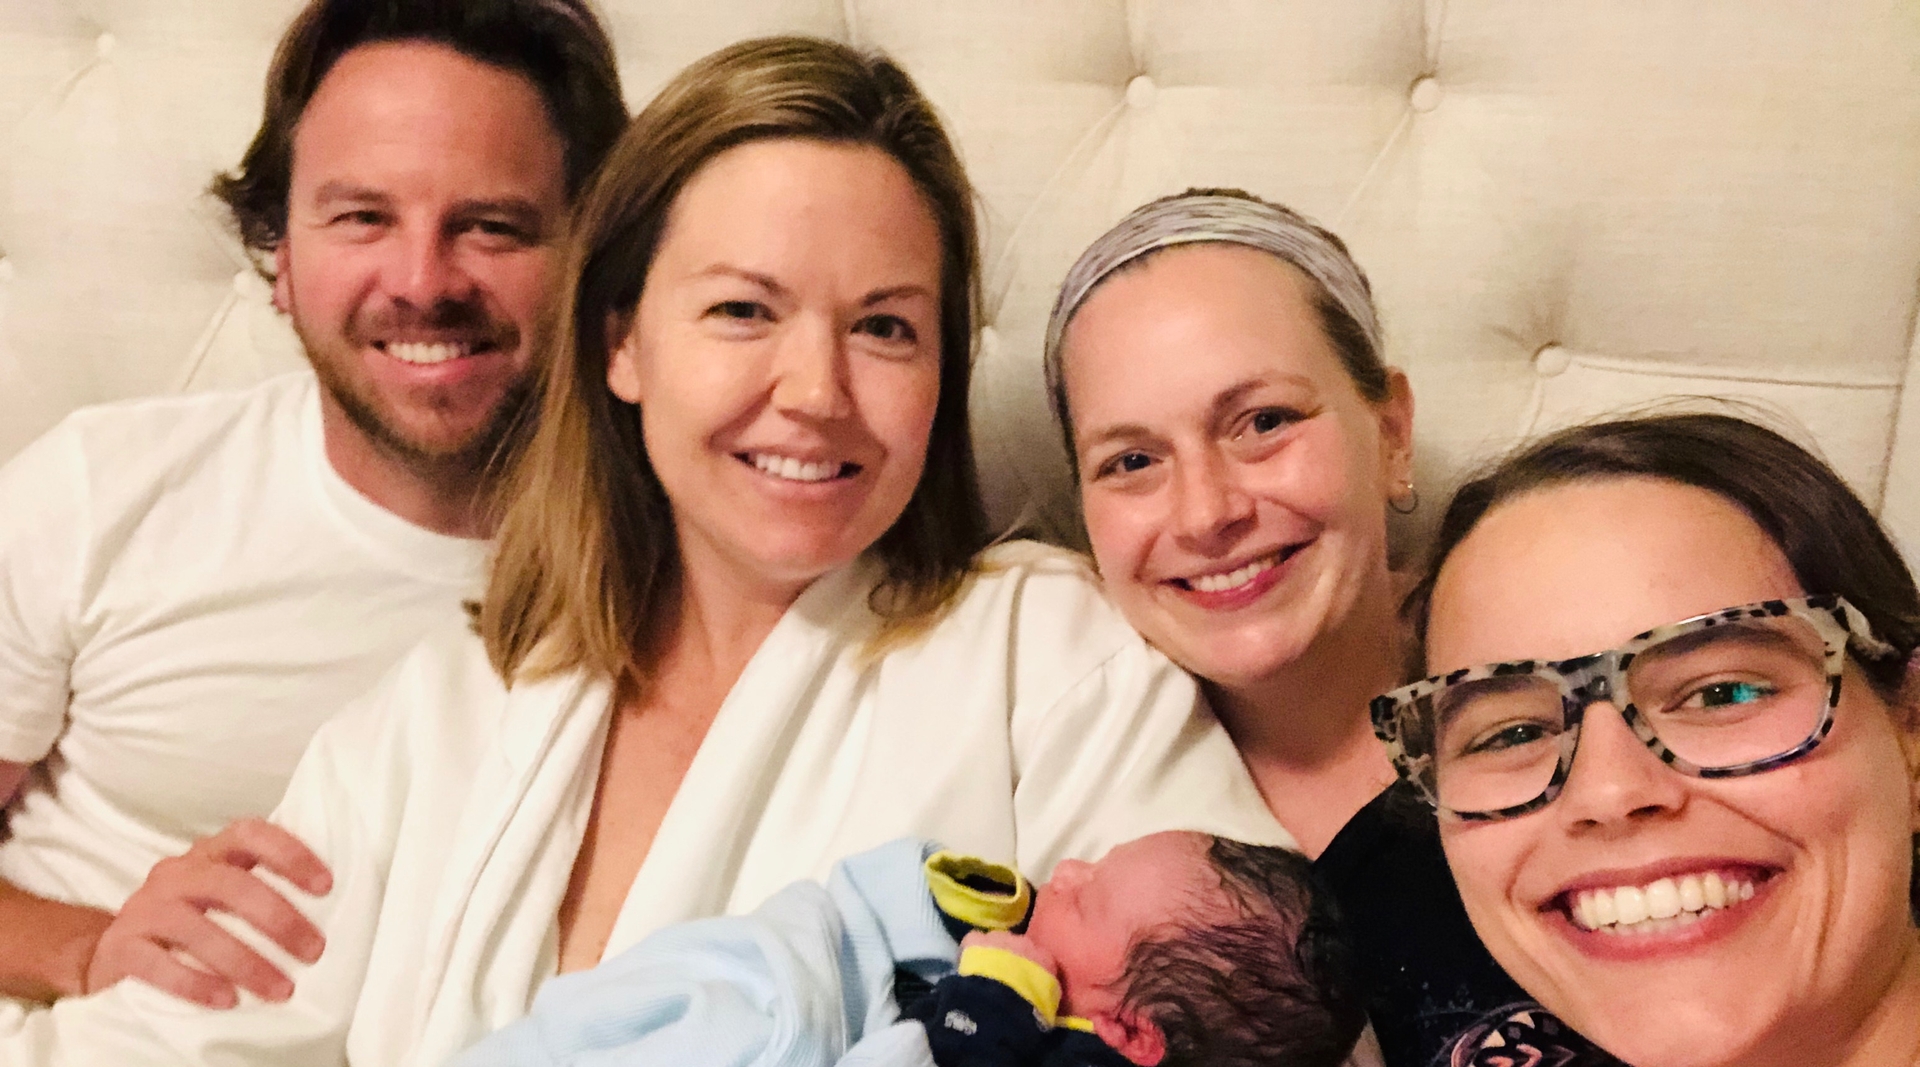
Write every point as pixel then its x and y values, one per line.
pixel 1176 948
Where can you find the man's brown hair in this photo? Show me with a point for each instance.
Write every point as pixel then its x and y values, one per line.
pixel 557 45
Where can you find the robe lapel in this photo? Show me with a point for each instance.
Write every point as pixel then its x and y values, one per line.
pixel 513 854
pixel 722 807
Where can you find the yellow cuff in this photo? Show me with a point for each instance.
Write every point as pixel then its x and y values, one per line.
pixel 1035 984
pixel 1074 1022
pixel 997 900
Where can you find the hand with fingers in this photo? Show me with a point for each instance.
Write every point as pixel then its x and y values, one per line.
pixel 166 918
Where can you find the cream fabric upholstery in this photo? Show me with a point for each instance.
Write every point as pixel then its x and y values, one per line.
pixel 1565 205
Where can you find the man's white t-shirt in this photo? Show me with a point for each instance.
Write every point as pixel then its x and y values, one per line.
pixel 187 591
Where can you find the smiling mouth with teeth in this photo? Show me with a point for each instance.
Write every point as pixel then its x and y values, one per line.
pixel 422 353
pixel 794 470
pixel 1661 905
pixel 1234 579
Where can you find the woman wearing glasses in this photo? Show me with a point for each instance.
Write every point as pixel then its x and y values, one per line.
pixel 1673 739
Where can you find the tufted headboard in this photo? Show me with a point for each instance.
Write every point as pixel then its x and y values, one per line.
pixel 1565 205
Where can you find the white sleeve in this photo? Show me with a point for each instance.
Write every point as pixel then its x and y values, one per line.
pixel 330 804
pixel 44 529
pixel 1127 749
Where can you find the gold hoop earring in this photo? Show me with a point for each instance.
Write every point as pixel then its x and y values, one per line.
pixel 1412 501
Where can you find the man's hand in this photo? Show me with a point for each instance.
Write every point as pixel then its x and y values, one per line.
pixel 1018 944
pixel 168 915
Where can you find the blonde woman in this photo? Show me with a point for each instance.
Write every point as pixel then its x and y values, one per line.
pixel 1238 438
pixel 735 629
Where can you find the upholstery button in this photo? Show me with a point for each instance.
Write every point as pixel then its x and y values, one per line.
pixel 1551 360
pixel 103 45
pixel 1425 95
pixel 1140 91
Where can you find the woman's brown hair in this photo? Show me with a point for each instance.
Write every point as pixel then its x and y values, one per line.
pixel 1829 538
pixel 586 571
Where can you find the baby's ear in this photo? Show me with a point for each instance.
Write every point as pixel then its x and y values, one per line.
pixel 1131 1035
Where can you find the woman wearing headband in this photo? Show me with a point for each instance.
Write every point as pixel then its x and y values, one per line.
pixel 1215 363
pixel 1674 741
pixel 730 642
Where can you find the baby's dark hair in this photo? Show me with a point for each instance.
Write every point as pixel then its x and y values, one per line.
pixel 1275 984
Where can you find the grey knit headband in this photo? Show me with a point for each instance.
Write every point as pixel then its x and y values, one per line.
pixel 1199 217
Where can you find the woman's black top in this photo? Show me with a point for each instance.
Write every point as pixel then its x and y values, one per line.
pixel 1436 997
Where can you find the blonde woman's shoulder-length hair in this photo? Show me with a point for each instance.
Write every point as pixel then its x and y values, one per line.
pixel 586 568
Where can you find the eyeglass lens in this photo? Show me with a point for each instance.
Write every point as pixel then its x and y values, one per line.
pixel 1716 697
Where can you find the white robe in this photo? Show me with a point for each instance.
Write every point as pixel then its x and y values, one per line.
pixel 1030 724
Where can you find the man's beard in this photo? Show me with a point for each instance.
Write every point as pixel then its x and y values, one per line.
pixel 465 457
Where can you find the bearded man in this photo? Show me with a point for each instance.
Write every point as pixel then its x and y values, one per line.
pixel 191 585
